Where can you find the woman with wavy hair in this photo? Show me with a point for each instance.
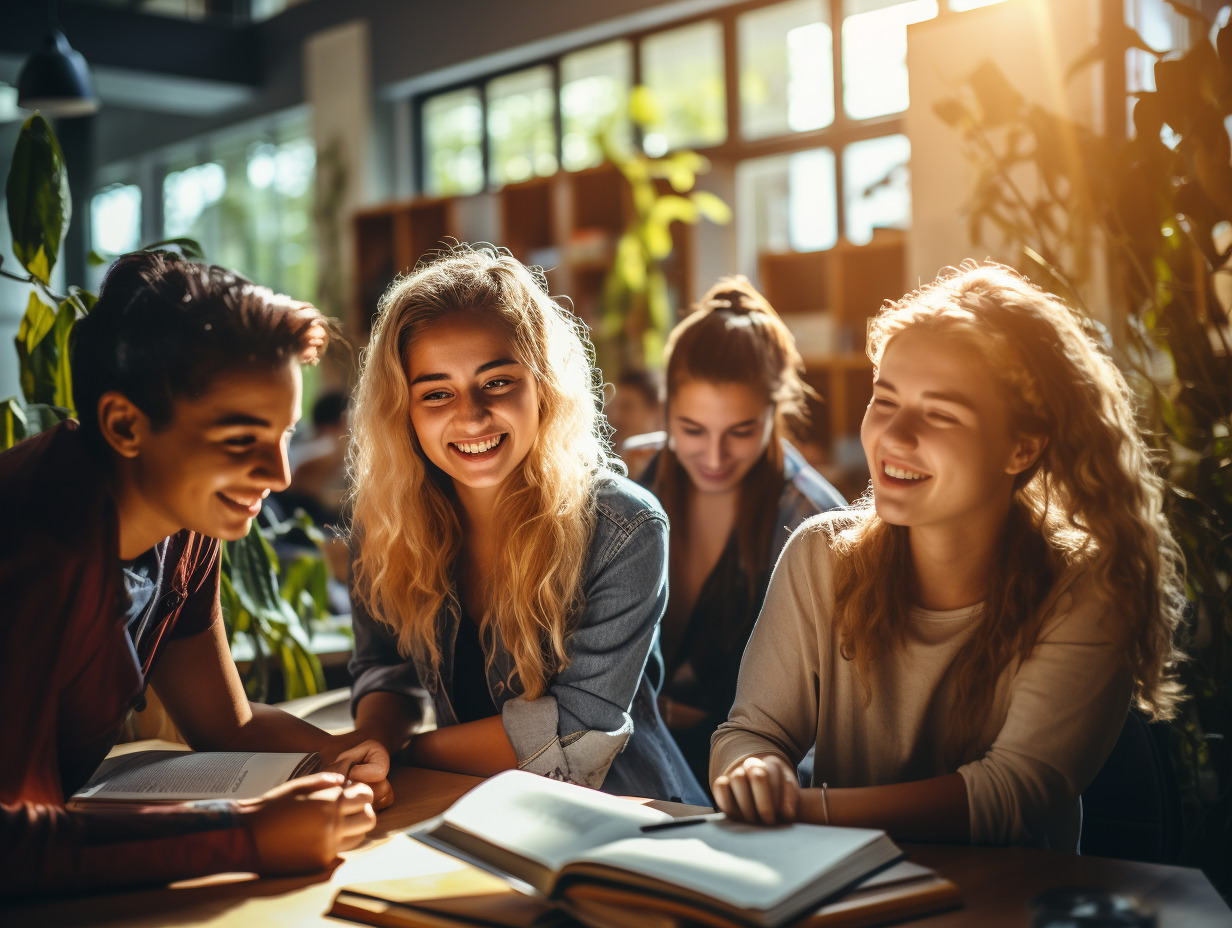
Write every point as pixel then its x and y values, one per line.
pixel 733 489
pixel 498 560
pixel 962 648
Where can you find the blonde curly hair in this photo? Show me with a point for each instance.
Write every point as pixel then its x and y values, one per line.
pixel 1094 497
pixel 407 534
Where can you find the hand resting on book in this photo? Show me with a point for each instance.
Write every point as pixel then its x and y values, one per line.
pixel 760 790
pixel 301 825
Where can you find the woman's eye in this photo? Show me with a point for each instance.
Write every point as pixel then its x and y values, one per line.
pixel 882 403
pixel 943 417
pixel 498 382
pixel 240 441
pixel 693 432
pixel 743 433
pixel 435 395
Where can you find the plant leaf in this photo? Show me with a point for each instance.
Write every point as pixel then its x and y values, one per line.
pixel 712 207
pixel 643 107
pixel 36 380
pixel 189 247
pixel 12 423
pixel 38 198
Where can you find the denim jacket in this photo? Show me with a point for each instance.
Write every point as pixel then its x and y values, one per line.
pixel 598 723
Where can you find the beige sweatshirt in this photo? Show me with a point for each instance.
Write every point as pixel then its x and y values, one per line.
pixel 1052 719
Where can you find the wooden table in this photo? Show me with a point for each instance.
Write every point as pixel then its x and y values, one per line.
pixel 997 883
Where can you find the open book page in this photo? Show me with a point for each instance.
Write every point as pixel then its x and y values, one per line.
pixel 174 776
pixel 751 869
pixel 544 821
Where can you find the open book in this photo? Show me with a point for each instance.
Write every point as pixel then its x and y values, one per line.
pixel 470 898
pixel 552 837
pixel 177 776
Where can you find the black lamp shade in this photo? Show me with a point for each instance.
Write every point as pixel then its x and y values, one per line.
pixel 56 80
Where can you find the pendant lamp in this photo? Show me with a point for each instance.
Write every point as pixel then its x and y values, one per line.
pixel 55 79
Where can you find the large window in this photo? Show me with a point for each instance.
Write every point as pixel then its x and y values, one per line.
pixel 684 70
pixel 594 96
pixel 875 54
pixel 248 199
pixel 453 143
pixel 521 127
pixel 753 86
pixel 786 69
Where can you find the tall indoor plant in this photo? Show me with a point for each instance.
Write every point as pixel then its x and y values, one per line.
pixel 273 619
pixel 637 310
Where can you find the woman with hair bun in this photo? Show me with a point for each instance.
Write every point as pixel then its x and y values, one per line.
pixel 962 648
pixel 733 489
pixel 498 560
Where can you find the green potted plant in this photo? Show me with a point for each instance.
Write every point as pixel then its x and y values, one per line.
pixel 274 619
pixel 636 307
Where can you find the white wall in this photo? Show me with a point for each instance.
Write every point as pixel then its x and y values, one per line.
pixel 1033 42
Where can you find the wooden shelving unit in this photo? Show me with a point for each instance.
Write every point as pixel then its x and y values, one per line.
pixel 826 298
pixel 568 224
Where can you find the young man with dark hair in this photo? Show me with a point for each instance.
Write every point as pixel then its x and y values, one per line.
pixel 187 385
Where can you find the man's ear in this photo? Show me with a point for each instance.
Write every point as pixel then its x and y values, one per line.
pixel 123 425
pixel 1026 453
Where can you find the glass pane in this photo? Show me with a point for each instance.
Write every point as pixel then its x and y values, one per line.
pixel 115 219
pixel 959 6
pixel 684 69
pixel 453 143
pixel 786 69
pixel 521 125
pixel 877 186
pixel 250 207
pixel 187 194
pixel 785 203
pixel 875 53
pixel 594 94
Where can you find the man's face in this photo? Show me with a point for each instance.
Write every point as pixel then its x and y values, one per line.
pixel 219 457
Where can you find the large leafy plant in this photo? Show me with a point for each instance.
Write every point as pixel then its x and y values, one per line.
pixel 1161 202
pixel 274 618
pixel 637 308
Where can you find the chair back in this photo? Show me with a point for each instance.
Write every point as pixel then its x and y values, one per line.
pixel 1132 809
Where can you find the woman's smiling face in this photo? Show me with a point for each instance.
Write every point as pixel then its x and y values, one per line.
pixel 719 431
pixel 938 435
pixel 474 405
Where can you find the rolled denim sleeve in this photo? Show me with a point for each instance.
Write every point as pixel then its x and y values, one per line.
pixel 376 664
pixel 575 731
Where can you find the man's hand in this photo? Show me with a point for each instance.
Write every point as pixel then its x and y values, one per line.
pixel 364 761
pixel 301 825
pixel 759 790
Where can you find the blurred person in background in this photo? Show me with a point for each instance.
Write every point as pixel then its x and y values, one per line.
pixel 733 488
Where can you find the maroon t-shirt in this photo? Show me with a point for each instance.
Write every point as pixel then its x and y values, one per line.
pixel 69 674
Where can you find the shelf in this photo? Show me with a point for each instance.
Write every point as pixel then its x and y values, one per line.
pixel 827 297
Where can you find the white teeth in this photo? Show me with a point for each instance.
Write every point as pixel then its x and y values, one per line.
pixel 478 447
pixel 901 474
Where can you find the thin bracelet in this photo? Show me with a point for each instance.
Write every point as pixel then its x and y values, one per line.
pixel 825 805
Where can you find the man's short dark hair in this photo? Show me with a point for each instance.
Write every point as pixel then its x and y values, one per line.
pixel 165 327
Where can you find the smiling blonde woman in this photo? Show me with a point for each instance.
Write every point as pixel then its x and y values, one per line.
pixel 499 561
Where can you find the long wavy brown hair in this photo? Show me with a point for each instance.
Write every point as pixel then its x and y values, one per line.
pixel 407 534
pixel 1093 498
pixel 735 336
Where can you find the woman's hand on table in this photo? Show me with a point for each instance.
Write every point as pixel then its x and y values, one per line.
pixel 759 790
pixel 302 825
pixel 363 760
